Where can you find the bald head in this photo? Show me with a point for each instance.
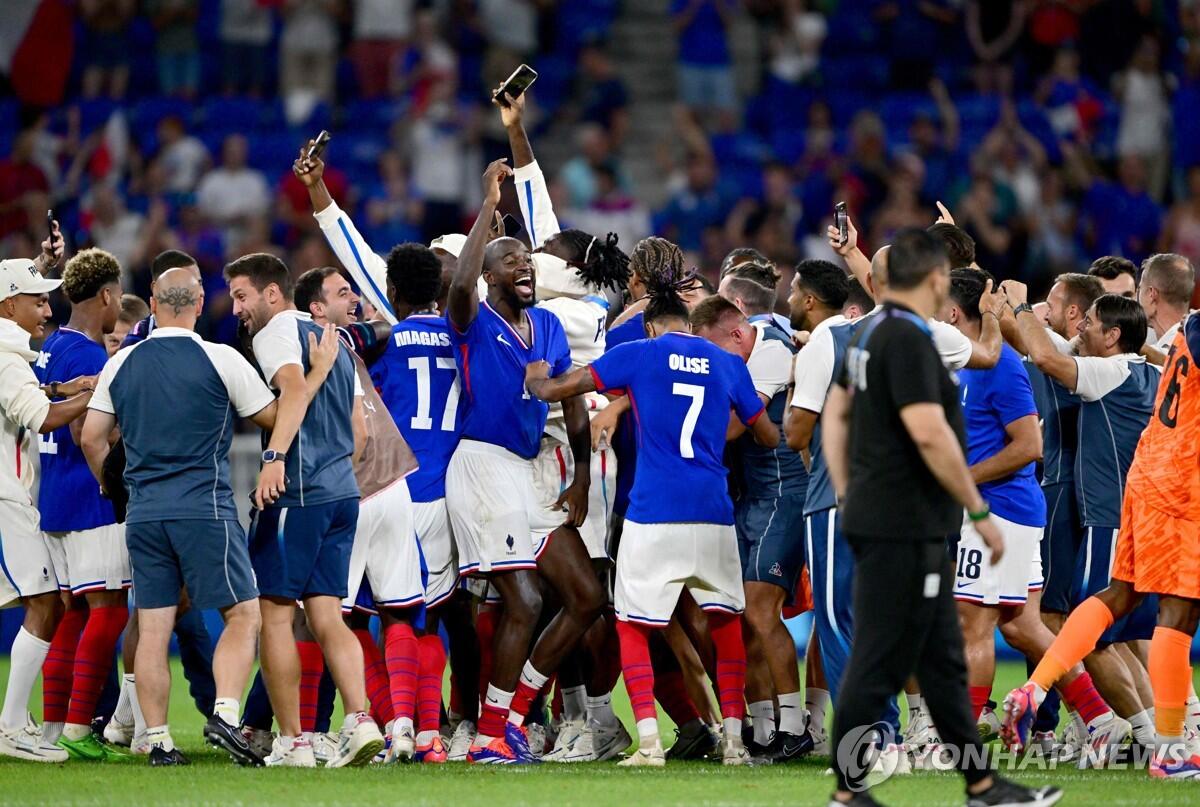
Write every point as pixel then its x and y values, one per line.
pixel 879 270
pixel 178 298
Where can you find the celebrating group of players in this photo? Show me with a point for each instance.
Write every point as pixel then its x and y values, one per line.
pixel 574 491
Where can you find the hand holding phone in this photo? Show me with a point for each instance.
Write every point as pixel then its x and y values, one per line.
pixel 318 146
pixel 841 220
pixel 515 85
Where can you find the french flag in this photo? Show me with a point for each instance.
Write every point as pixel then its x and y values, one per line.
pixel 36 45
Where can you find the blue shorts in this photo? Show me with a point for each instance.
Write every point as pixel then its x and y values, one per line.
pixel 1093 573
pixel 209 557
pixel 301 552
pixel 1060 546
pixel 770 535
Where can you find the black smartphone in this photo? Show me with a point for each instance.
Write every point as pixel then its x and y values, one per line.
pixel 318 146
pixel 520 81
pixel 50 224
pixel 512 225
pixel 841 220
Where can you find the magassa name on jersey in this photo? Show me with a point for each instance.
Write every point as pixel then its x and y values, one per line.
pixel 427 338
pixel 688 364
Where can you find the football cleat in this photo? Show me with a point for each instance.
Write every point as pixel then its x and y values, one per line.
pixel 734 751
pixel 787 747
pixel 695 740
pixel 988 725
pixel 461 741
pixel 118 733
pixel 601 742
pixel 402 746
pixel 324 746
pixel 26 743
pixel 227 738
pixel 1106 735
pixel 1178 766
pixel 1020 711
pixel 160 757
pixel 360 741
pixel 517 738
pixel 495 752
pixel 536 734
pixel 652 757
pixel 90 749
pixel 259 740
pixel 921 732
pixel 432 753
pixel 934 757
pixel 569 734
pixel 297 755
pixel 1004 793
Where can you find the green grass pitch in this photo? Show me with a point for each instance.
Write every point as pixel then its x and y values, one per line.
pixel 212 779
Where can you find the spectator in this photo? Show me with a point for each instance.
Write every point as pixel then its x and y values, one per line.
pixel 1073 103
pixel 994 29
pixel 439 140
pixel 768 224
pixel 936 147
pixel 107 46
pixel 1120 218
pixel 868 158
pixel 428 61
pixel 613 210
pixel 1051 225
pixel 177 46
pixel 1016 157
pixel 197 236
pixel 916 31
pixel 1181 234
pixel 245 43
pixel 294 212
pixel 902 207
pixel 706 79
pixel 1145 115
pixel 795 41
pixel 182 157
pixel 579 173
pixel 381 30
pixel 393 212
pixel 988 212
pixel 22 184
pixel 700 205
pixel 113 228
pixel 511 29
pixel 308 55
pixel 604 99
pixel 233 192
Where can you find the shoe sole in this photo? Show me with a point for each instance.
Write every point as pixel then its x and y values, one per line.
pixel 29 756
pixel 243 757
pixel 364 755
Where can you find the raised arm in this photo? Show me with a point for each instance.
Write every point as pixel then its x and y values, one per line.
pixel 462 303
pixel 537 210
pixel 1040 349
pixel 858 263
pixel 559 388
pixel 985 351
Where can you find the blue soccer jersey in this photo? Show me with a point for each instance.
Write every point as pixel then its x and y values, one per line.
pixel 681 389
pixel 417 379
pixel 69 498
pixel 624 444
pixel 991 400
pixel 492 358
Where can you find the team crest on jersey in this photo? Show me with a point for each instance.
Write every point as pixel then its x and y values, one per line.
pixel 776 569
pixel 509 542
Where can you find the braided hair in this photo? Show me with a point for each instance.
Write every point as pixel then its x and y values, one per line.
pixel 659 264
pixel 599 262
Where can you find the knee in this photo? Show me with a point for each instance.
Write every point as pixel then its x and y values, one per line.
pixel 1177 614
pixel 590 602
pixel 524 606
pixel 42 615
pixel 1119 598
pixel 243 617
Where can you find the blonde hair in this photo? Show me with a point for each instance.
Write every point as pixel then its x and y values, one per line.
pixel 88 272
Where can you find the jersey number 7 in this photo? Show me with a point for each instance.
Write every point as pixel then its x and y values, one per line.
pixel 696 393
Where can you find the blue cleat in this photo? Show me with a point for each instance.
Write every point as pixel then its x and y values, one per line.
pixel 1020 712
pixel 517 740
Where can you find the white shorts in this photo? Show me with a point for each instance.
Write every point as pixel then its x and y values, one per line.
pixel 26 568
pixel 386 551
pixel 1009 581
pixel 657 561
pixel 553 471
pixel 490 497
pixel 91 560
pixel 437 544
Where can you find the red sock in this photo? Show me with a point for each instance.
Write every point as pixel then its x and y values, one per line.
pixel 400 645
pixel 979 698
pixel 485 629
pixel 93 660
pixel 635 664
pixel 527 691
pixel 375 676
pixel 56 670
pixel 726 630
pixel 312 667
pixel 429 682
pixel 1081 695
pixel 493 713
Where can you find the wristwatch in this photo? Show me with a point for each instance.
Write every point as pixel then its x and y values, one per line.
pixel 271 455
pixel 1022 307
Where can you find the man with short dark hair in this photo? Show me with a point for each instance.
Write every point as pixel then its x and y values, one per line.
pixel 1117 275
pixel 960 246
pixel 1165 293
pixel 893 375
pixel 858 300
pixel 163 262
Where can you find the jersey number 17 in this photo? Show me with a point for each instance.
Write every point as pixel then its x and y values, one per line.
pixel 422 420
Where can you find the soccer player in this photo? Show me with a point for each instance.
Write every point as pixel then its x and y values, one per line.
pixel 574 270
pixel 307 509
pixel 1118 275
pixel 182 523
pixel 768 516
pixel 85 540
pixel 679 527
pixel 1116 388
pixel 753 265
pixel 28 571
pixel 1156 554
pixel 1003 443
pixel 489 483
pixel 386 558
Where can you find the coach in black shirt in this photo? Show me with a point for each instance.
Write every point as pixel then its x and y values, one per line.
pixel 894 443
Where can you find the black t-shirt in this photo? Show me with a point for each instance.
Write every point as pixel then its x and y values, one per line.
pixel 892 495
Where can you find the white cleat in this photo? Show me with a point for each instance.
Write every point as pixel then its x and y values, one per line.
pixel 298 755
pixel 460 742
pixel 921 732
pixel 260 741
pixel 893 760
pixel 601 742
pixel 536 734
pixel 820 743
pixel 934 757
pixel 733 752
pixel 118 733
pixel 1105 738
pixel 359 743
pixel 403 746
pixel 988 725
pixel 26 743
pixel 568 734
pixel 324 746
pixel 652 757
pixel 1070 747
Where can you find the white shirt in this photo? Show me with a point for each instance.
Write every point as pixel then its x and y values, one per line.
pixel 1100 375
pixel 813 368
pixel 225 194
pixel 278 345
pixel 770 364
pixel 24 408
pixel 184 161
pixel 382 19
pixel 952 344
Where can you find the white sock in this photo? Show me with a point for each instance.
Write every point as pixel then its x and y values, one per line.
pixel 1143 727
pixel 123 713
pixel 402 725
pixel 425 737
pixel 533 679
pixel 915 704
pixel 647 730
pixel 599 709
pixel 816 701
pixel 74 731
pixel 51 731
pixel 139 720
pixel 1080 724
pixel 1191 717
pixel 27 655
pixel 792 716
pixel 574 703
pixel 1039 695
pixel 227 709
pixel 497 699
pixel 733 729
pixel 762 713
pixel 160 736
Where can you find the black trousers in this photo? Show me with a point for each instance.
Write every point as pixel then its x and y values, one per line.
pixel 905 623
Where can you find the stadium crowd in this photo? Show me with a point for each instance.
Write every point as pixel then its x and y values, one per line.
pixel 451 433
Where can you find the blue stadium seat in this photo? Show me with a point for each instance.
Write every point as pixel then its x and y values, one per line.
pixel 221 114
pixel 147 112
pixel 273 152
pixel 978 110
